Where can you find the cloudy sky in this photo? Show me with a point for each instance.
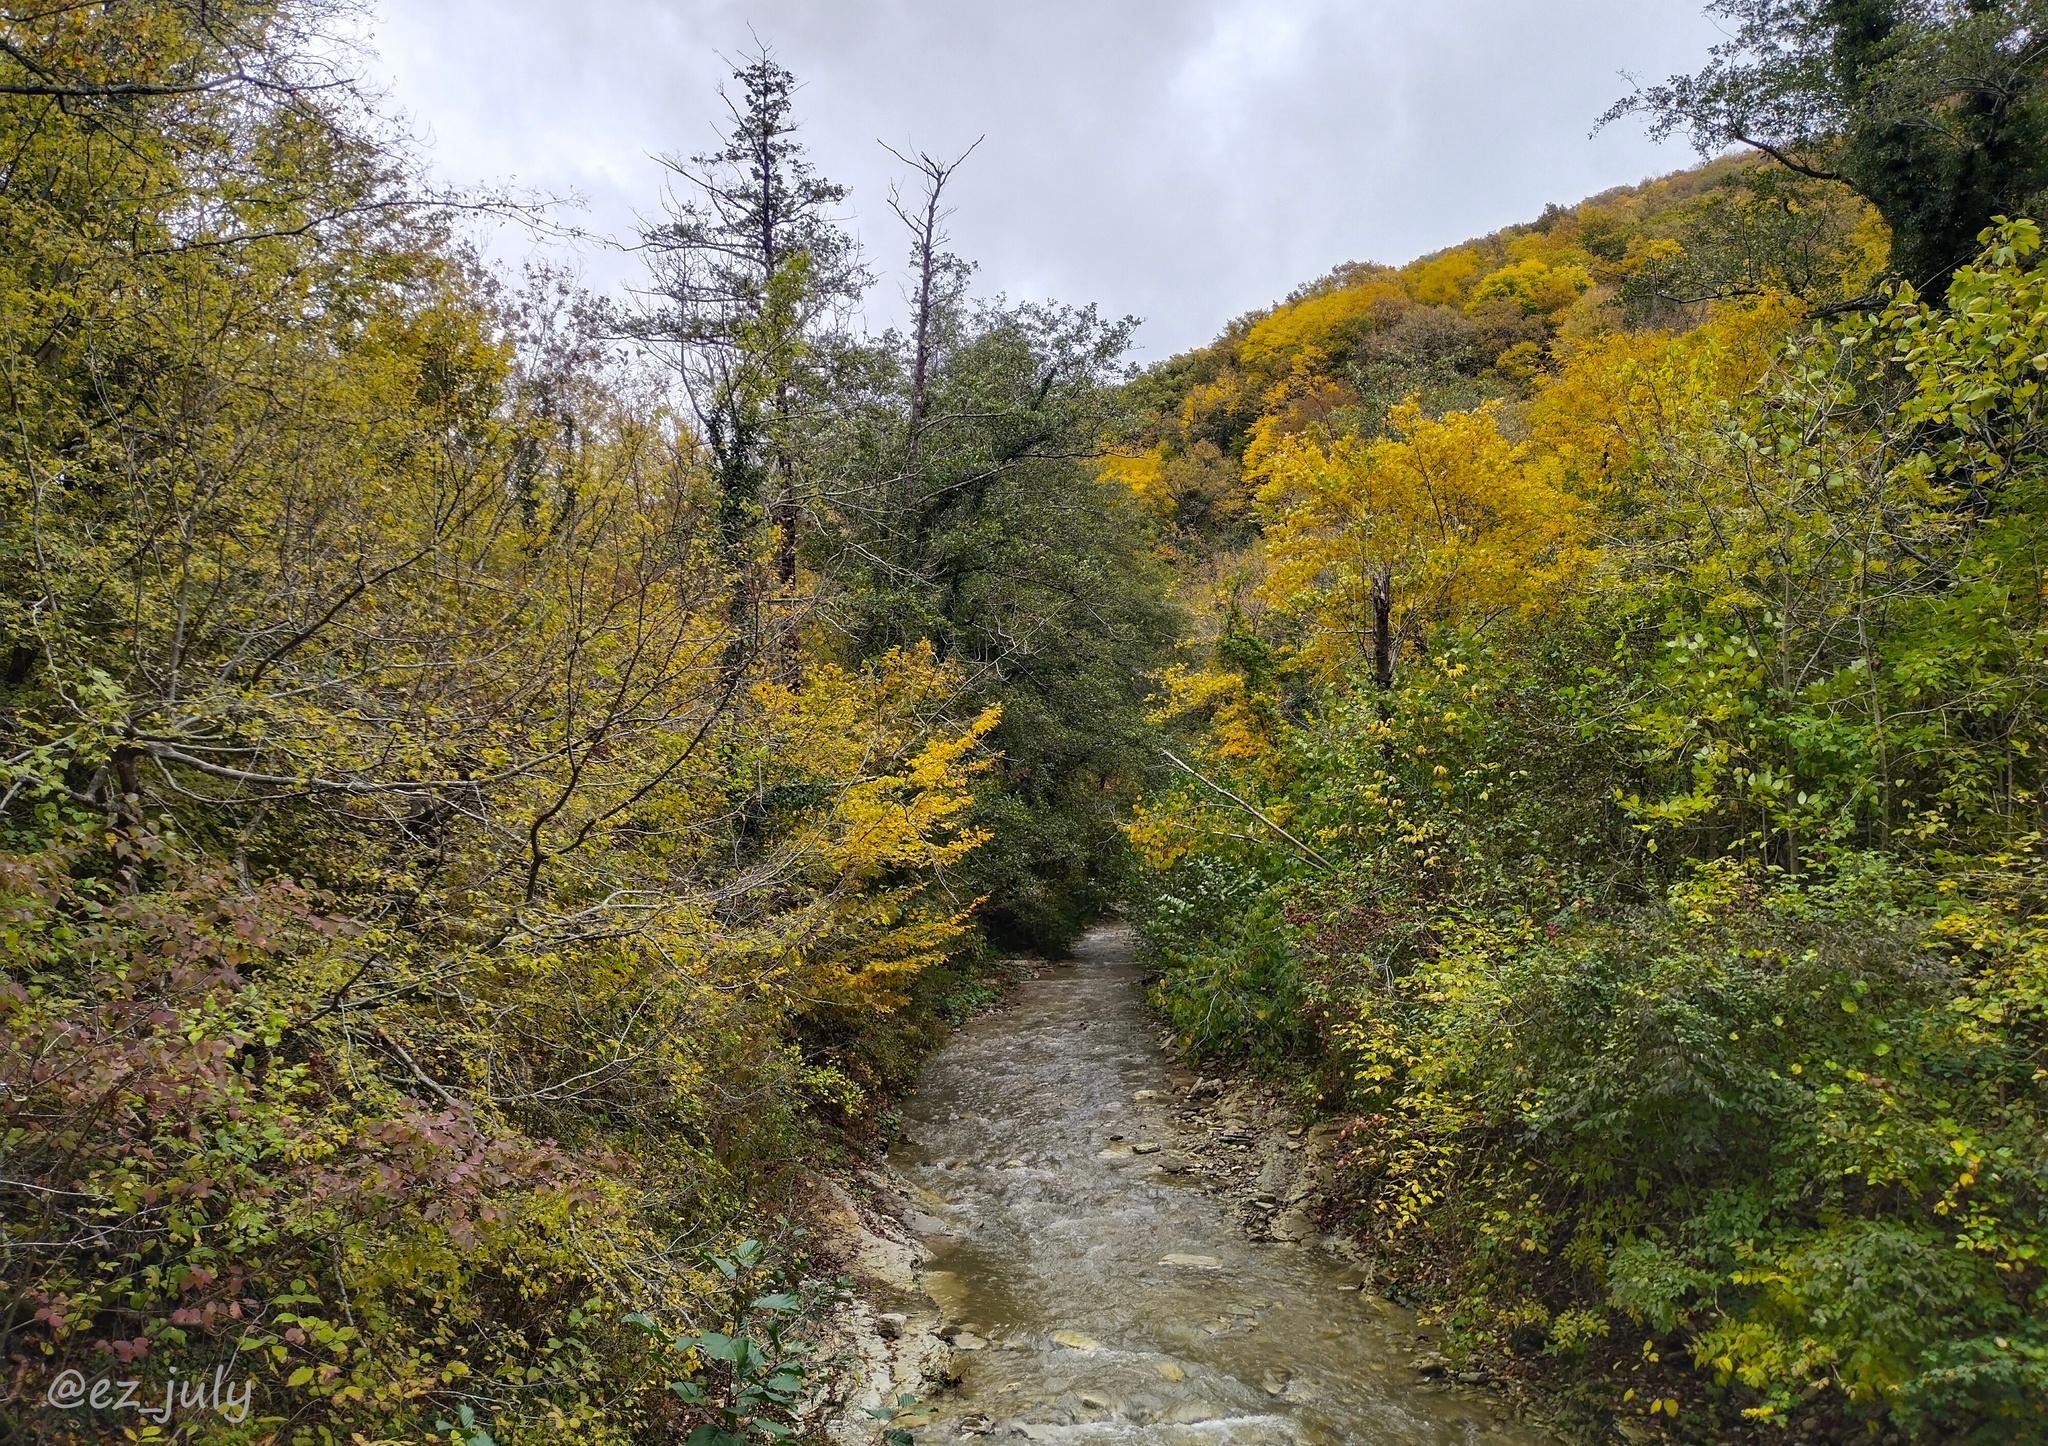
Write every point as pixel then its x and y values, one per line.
pixel 1182 160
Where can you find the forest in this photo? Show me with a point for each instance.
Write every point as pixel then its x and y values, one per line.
pixel 503 784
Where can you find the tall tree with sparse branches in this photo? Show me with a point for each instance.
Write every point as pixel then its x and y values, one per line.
pixel 750 271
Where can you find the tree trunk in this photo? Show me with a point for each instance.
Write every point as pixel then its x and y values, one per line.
pixel 1383 632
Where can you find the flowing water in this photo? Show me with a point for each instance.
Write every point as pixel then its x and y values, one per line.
pixel 1051 1239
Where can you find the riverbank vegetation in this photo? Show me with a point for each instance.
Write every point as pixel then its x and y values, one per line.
pixel 1610 779
pixel 495 779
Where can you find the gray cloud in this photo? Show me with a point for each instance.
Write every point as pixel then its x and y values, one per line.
pixel 1185 160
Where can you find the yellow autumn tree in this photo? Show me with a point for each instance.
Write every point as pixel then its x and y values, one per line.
pixel 1372 540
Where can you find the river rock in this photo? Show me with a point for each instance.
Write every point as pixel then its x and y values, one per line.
pixel 1169 1370
pixel 890 1323
pixel 1294 1226
pixel 1013 1164
pixel 1429 1363
pixel 1145 1148
pixel 1193 1262
pixel 1142 1095
pixel 1075 1341
pixel 1092 1402
pixel 969 1341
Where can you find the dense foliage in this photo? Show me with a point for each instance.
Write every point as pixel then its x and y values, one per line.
pixel 465 835
pixel 1621 803
pixel 496 781
pixel 1610 781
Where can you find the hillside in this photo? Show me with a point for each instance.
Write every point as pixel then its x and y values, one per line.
pixel 1484 320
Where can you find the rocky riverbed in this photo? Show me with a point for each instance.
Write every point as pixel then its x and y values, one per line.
pixel 1073 1242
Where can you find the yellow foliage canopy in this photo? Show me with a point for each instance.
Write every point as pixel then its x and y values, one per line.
pixel 1291 328
pixel 1371 540
pixel 1442 280
pixel 1539 288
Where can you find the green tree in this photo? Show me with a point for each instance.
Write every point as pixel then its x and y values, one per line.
pixel 750 271
pixel 971 518
pixel 1935 111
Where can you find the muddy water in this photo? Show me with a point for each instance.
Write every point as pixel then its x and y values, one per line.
pixel 1050 1241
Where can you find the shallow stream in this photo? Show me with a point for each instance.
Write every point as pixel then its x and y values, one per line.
pixel 1053 1240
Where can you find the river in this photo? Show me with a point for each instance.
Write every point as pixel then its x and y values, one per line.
pixel 1052 1237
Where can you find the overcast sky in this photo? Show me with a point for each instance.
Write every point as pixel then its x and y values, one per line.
pixel 1182 160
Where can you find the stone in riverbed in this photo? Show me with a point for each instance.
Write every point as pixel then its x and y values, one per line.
pixel 1293 1226
pixel 1145 1148
pixel 1092 1402
pixel 1075 1341
pixel 1193 1262
pixel 1145 1094
pixel 1169 1370
pixel 968 1341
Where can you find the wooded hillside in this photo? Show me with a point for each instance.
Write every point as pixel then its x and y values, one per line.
pixel 1609 780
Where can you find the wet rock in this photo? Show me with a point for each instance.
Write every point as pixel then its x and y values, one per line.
pixel 1429 1363
pixel 1075 1341
pixel 1236 1137
pixel 1206 1089
pixel 977 1425
pixel 923 1224
pixel 968 1341
pixel 1294 1226
pixel 1013 1164
pixel 1145 1148
pixel 1275 1383
pixel 1192 1262
pixel 1142 1095
pixel 890 1323
pixel 1092 1402
pixel 1471 1378
pixel 1169 1370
